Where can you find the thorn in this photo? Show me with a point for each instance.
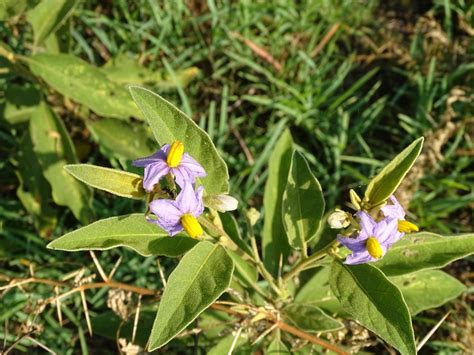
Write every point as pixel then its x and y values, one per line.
pixel 234 342
pixel 99 267
pixel 58 306
pixel 275 325
pixel 137 315
pixel 431 332
pixel 162 274
pixel 114 269
pixel 86 312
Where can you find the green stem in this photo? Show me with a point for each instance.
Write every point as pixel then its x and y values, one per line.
pixel 303 264
pixel 261 268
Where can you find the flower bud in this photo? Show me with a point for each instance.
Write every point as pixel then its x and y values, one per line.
pixel 224 203
pixel 339 219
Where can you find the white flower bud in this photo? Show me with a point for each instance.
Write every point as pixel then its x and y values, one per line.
pixel 339 219
pixel 224 203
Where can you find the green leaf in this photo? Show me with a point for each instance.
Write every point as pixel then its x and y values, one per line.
pixel 170 124
pixel 316 291
pixel 203 274
pixel 274 240
pixel 10 8
pixel 84 83
pixel 231 227
pixel 310 318
pixel 48 16
pixel 425 251
pixel 131 231
pixel 225 344
pixel 303 203
pixel 244 271
pixel 384 184
pixel 121 139
pixel 54 150
pixel 277 347
pixel 120 183
pixel 368 296
pixel 127 70
pixel 34 191
pixel 427 289
pixel 20 102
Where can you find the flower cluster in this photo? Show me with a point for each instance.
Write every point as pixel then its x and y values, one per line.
pixel 370 237
pixel 174 215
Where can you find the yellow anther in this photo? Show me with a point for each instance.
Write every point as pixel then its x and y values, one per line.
pixel 191 225
pixel 374 248
pixel 175 154
pixel 406 227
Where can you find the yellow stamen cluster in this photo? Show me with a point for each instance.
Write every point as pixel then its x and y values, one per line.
pixel 406 227
pixel 374 248
pixel 175 154
pixel 191 225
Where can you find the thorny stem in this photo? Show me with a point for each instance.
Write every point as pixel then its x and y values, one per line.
pixel 303 264
pixel 144 291
pixel 287 328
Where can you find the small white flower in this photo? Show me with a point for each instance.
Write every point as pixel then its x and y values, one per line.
pixel 339 219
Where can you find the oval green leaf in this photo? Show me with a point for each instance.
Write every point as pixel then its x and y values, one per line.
pixel 48 16
pixel 303 203
pixel 54 149
pixel 310 318
pixel 121 139
pixel 387 180
pixel 427 289
pixel 368 296
pixel 131 231
pixel 274 239
pixel 425 251
pixel 120 183
pixel 203 274
pixel 169 124
pixel 84 83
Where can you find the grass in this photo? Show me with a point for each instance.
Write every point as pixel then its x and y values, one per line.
pixel 354 82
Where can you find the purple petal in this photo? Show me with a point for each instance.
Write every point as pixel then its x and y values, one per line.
pixel 367 224
pixel 166 209
pixel 153 173
pixel 386 231
pixel 395 210
pixel 187 201
pixel 358 258
pixel 182 176
pixel 199 208
pixel 168 215
pixel 354 244
pixel 160 155
pixel 192 166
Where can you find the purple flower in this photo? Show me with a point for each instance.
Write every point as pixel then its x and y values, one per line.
pixel 175 215
pixel 396 211
pixel 170 159
pixel 373 240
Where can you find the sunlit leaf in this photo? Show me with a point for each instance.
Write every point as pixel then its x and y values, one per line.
pixel 303 203
pixel 170 124
pixel 203 274
pixel 54 149
pixel 84 83
pixel 368 296
pixel 425 251
pixel 387 180
pixel 117 182
pixel 131 231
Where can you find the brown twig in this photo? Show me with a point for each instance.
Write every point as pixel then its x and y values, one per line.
pixel 259 51
pixel 327 37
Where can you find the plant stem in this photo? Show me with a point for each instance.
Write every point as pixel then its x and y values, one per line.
pixel 306 262
pixel 261 268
